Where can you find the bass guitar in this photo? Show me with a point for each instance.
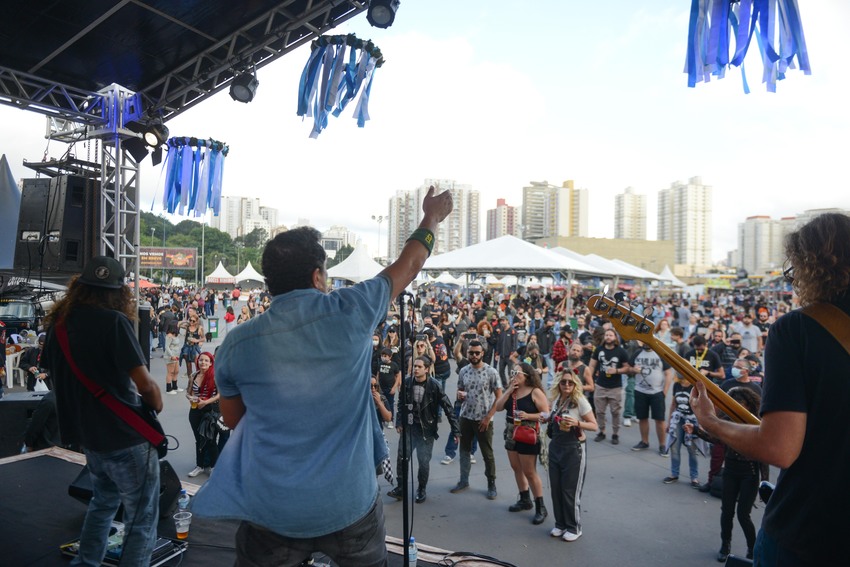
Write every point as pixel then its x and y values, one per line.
pixel 632 326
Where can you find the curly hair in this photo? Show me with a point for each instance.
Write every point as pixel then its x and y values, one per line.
pixel 290 259
pixel 80 294
pixel 746 397
pixel 819 252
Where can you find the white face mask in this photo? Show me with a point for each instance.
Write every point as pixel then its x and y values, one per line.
pixel 375 343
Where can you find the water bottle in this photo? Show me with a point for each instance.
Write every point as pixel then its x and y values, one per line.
pixel 412 552
pixel 183 501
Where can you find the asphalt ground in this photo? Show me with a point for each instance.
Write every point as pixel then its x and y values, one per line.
pixel 629 517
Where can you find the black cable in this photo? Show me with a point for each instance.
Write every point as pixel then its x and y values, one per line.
pixel 470 557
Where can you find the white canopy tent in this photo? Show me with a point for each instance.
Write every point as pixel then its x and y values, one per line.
pixel 667 275
pixel 644 274
pixel 357 267
pixel 249 274
pixel 220 276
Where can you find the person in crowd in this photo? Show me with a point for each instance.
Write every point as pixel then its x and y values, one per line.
pixel 741 477
pixel 662 333
pixel 204 399
pixel 728 351
pixel 560 348
pixel 244 315
pixel 171 353
pixel 580 369
pixel 193 338
pixel 653 377
pixel 420 348
pixel 229 319
pixel 706 361
pixel 570 417
pixel 607 367
pixel 478 389
pixel 43 427
pixel 460 356
pixel 96 312
pixel 680 415
pixel 393 342
pixel 448 330
pixel 426 395
pixel 442 367
pixel 31 363
pixel 805 396
pixel 680 345
pixel 545 334
pixel 741 371
pixel 533 357
pixel 485 330
pixel 389 380
pixel 525 401
pixel 310 333
pixel 750 335
pixel 506 345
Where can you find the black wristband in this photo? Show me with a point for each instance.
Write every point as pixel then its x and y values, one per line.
pixel 425 236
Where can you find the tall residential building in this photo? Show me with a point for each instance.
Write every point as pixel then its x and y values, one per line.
pixel 630 215
pixel 240 215
pixel 549 210
pixel 336 237
pixel 461 228
pixel 502 221
pixel 684 216
pixel 760 244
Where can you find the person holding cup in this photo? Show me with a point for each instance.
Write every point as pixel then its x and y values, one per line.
pixel 571 416
pixel 203 398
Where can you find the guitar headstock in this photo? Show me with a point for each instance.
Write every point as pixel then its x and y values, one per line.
pixel 629 324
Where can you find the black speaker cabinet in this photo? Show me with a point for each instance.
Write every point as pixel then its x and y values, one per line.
pixel 57 226
pixel 169 489
pixel 16 409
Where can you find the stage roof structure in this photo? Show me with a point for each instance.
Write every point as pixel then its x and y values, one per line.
pixel 56 56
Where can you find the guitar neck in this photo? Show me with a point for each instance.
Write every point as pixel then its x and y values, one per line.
pixel 721 399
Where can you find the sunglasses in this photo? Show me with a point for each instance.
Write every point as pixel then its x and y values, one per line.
pixel 475 353
pixel 516 371
pixel 566 382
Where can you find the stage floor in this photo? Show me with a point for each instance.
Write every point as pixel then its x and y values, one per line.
pixel 37 515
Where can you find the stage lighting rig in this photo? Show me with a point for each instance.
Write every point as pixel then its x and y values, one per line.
pixel 243 88
pixel 381 13
pixel 155 134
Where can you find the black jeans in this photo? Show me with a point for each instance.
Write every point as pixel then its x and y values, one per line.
pixel 741 489
pixel 206 451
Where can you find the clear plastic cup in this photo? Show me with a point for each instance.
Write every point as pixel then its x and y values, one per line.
pixel 182 521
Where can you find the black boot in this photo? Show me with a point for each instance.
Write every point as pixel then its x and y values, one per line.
pixel 524 503
pixel 749 553
pixel 540 512
pixel 724 550
pixel 167 387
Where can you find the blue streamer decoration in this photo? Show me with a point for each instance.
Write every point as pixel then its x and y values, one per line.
pixel 777 27
pixel 194 173
pixel 330 80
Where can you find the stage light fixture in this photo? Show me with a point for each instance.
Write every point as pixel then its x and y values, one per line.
pixel 381 13
pixel 156 156
pixel 136 148
pixel 156 134
pixel 243 88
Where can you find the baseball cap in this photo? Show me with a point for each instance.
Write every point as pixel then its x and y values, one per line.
pixel 103 271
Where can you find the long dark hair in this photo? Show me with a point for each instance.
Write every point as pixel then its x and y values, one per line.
pixel 80 295
pixel 532 377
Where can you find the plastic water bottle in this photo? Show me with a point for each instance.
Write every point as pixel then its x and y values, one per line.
pixel 183 501
pixel 412 552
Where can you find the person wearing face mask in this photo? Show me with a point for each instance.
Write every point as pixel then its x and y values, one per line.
pixel 741 371
pixel 653 377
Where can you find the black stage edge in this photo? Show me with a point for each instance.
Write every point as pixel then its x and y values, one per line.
pixel 37 515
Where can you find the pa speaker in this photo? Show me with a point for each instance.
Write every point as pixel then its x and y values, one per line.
pixel 169 489
pixel 57 229
pixel 16 409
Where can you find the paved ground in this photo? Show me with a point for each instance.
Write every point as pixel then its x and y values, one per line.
pixel 630 517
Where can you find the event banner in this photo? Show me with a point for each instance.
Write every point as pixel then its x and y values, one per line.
pixel 168 258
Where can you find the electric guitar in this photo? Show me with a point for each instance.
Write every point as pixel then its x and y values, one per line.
pixel 632 326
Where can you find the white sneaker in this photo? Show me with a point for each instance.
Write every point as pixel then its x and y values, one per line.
pixel 179 390
pixel 390 425
pixel 172 392
pixel 446 460
pixel 196 471
pixel 627 422
pixel 569 536
pixel 472 459
pixel 557 532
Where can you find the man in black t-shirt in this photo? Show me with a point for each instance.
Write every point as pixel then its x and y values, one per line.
pixel 123 466
pixel 706 361
pixel 388 375
pixel 803 426
pixel 607 365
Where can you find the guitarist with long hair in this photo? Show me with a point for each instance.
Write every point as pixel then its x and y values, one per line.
pixel 803 427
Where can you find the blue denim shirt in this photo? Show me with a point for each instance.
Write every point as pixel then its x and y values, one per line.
pixel 301 462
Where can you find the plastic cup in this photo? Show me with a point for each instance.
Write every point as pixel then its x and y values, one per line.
pixel 195 400
pixel 182 521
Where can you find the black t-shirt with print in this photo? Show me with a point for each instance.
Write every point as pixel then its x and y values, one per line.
pixel 607 360
pixel 682 398
pixel 387 372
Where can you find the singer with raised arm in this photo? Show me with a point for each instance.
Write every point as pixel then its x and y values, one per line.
pixel 299 468
pixel 806 393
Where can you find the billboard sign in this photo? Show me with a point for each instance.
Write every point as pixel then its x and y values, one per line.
pixel 168 258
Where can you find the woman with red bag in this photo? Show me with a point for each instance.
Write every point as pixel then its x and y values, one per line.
pixel 525 401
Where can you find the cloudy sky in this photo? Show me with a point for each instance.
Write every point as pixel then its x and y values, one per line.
pixel 495 94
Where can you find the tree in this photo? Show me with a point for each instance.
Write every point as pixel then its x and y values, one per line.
pixel 257 238
pixel 341 255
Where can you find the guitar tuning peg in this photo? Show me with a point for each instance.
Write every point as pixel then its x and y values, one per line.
pixel 619 297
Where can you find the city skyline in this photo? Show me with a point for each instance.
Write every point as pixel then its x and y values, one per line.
pixel 457 100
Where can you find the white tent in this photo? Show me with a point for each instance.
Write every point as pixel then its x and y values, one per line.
pixel 448 279
pixel 220 276
pixel 508 255
pixel 357 267
pixel 667 275
pixel 644 274
pixel 249 274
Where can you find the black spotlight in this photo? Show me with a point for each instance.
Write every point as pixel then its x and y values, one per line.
pixel 244 87
pixel 136 148
pixel 156 134
pixel 381 13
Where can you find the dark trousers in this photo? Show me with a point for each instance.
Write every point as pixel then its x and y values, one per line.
pixel 424 447
pixel 567 468
pixel 504 361
pixel 469 431
pixel 362 543
pixel 741 489
pixel 206 451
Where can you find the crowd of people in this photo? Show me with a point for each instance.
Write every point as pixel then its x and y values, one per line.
pixel 555 376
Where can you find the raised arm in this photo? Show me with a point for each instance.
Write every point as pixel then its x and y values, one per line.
pixel 416 251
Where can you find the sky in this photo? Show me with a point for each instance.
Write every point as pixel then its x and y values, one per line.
pixel 496 94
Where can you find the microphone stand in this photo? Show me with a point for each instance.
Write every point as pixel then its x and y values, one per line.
pixel 407 422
